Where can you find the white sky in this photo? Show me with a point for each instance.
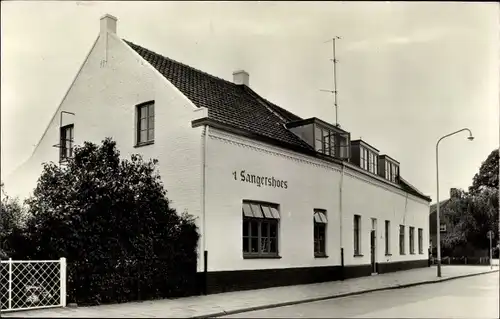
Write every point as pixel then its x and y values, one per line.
pixel 408 73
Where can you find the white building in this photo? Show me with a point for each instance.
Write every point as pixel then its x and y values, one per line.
pixel 279 199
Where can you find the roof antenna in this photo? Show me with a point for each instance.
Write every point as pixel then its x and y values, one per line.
pixel 334 91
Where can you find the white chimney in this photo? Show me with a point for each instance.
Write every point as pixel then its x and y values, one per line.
pixel 241 77
pixel 108 24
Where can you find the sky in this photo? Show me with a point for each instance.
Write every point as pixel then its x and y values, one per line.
pixel 408 73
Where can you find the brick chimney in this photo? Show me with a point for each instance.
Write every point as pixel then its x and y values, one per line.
pixel 108 24
pixel 241 77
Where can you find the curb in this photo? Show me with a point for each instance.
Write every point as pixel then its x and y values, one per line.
pixel 297 302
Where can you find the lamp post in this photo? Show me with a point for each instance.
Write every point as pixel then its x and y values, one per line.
pixel 438 223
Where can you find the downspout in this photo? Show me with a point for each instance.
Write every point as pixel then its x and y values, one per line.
pixel 203 213
pixel 342 274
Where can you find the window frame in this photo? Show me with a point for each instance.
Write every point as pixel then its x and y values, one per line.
pixel 420 240
pixel 402 248
pixel 357 235
pixel 320 222
pixel 262 219
pixel 150 127
pixel 362 157
pixel 411 235
pixel 387 237
pixel 63 154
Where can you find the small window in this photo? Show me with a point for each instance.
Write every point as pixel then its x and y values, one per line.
pixel 412 240
pixel 66 143
pixel 320 223
pixel 401 239
pixel 442 228
pixel 357 235
pixel 260 229
pixel 145 123
pixel 318 136
pixel 420 241
pixel 387 237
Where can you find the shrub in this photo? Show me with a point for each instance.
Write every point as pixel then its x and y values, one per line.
pixel 111 219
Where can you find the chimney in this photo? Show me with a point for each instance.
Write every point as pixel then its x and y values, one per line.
pixel 241 77
pixel 108 24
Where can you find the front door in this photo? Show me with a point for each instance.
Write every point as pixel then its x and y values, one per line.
pixel 372 250
pixel 373 246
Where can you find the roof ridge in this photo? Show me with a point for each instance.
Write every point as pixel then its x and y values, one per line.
pixel 183 64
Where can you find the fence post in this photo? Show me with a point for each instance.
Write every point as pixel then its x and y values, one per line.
pixel 10 283
pixel 63 281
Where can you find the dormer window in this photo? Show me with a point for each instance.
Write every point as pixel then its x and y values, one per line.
pixel 390 169
pixel 365 156
pixel 324 137
pixel 369 160
pixel 324 141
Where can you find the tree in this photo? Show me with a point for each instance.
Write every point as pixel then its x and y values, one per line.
pixel 111 219
pixel 471 215
pixel 487 177
pixel 12 218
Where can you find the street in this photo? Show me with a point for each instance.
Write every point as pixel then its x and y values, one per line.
pixel 472 297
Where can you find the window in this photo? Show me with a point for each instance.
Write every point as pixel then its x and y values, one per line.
pixel 260 229
pixel 394 172
pixel 387 237
pixel 368 160
pixel 357 235
pixel 145 123
pixel 401 239
pixel 66 143
pixel 320 223
pixel 420 241
pixel 325 141
pixel 391 171
pixel 329 142
pixel 371 162
pixel 363 158
pixel 442 228
pixel 412 240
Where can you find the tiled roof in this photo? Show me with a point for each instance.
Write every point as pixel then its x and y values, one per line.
pixel 442 203
pixel 235 105
pixel 228 103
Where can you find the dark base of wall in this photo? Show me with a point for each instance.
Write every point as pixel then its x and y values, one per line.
pixel 225 281
pixel 402 265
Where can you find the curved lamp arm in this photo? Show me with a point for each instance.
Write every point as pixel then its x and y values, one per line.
pixel 464 129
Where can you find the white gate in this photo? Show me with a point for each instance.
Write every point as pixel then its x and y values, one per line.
pixel 32 284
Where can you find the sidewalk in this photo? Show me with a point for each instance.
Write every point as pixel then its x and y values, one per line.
pixel 241 301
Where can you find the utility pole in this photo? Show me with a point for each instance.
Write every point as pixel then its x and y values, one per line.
pixel 334 91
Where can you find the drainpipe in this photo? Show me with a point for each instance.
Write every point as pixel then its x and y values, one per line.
pixel 342 273
pixel 203 187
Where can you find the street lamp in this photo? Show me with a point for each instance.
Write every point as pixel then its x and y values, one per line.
pixel 438 224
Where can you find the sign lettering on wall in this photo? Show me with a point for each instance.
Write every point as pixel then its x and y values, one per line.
pixel 258 180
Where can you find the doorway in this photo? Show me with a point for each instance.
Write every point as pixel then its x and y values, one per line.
pixel 373 246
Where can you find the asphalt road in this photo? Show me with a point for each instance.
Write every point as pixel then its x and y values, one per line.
pixel 472 297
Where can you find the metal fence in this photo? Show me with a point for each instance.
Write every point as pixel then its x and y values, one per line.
pixel 462 261
pixel 32 284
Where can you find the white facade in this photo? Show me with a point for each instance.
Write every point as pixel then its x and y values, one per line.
pixel 114 79
pixel 103 96
pixel 311 184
